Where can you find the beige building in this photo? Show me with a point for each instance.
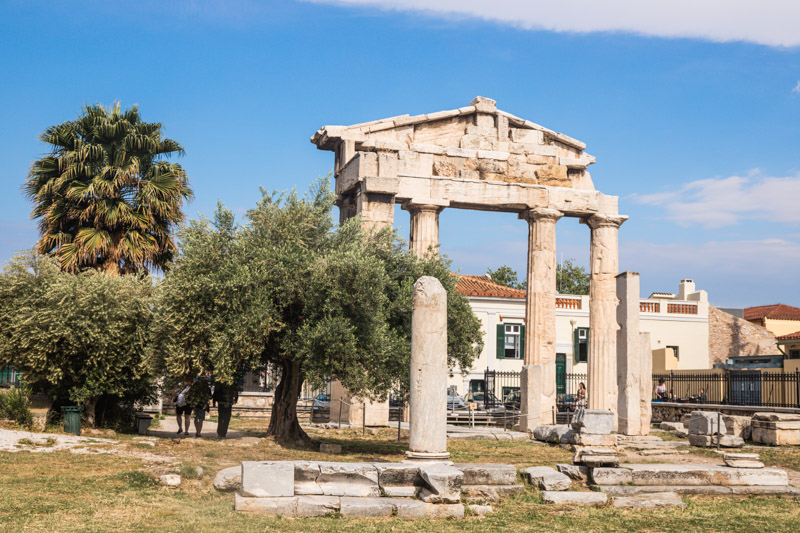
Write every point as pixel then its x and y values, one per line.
pixel 780 319
pixel 677 323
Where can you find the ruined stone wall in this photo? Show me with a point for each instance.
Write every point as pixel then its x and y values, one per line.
pixel 730 336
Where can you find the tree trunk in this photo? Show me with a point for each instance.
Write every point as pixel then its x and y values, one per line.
pixel 88 409
pixel 283 424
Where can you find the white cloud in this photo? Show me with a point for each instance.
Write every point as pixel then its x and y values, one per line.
pixel 768 22
pixel 716 203
pixel 796 87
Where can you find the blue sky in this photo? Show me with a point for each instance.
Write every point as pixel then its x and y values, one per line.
pixel 695 125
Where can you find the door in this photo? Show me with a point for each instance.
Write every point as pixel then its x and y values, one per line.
pixel 561 373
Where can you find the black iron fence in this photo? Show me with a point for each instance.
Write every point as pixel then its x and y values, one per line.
pixel 732 387
pixel 726 387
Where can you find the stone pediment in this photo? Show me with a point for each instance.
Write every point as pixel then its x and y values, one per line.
pixel 476 142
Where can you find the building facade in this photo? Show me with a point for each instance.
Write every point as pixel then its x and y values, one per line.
pixel 677 323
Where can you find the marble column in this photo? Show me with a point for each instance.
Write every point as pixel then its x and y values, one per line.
pixel 427 437
pixel 604 266
pixel 629 357
pixel 424 231
pixel 538 378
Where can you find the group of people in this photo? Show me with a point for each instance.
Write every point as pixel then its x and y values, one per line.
pixel 665 396
pixel 192 400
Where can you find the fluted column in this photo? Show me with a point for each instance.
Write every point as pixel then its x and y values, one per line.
pixel 424 237
pixel 602 360
pixel 538 379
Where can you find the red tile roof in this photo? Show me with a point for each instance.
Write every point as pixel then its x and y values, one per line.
pixel 775 312
pixel 484 286
pixel 790 337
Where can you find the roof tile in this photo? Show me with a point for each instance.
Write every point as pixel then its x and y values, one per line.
pixel 775 312
pixel 484 286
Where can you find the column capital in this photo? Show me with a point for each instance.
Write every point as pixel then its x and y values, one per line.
pixel 435 206
pixel 541 213
pixel 604 221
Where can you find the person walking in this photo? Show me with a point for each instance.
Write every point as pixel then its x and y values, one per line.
pixel 182 408
pixel 225 397
pixel 198 398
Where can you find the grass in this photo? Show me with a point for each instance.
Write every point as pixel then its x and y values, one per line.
pixel 59 491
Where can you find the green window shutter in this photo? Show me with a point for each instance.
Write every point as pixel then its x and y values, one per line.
pixel 501 341
pixel 576 353
pixel 522 342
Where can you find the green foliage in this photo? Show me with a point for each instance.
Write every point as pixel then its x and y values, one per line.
pixel 505 275
pixel 15 404
pixel 79 338
pixel 571 278
pixel 288 289
pixel 137 479
pixel 105 196
pixel 190 471
pixel 199 394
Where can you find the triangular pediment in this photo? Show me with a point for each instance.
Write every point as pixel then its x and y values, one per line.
pixel 478 141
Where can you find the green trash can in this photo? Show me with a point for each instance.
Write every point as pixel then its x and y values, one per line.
pixel 72 419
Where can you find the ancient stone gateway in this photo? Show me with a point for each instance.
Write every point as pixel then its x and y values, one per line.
pixel 478 157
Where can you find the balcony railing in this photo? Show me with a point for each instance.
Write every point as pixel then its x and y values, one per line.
pixel 568 303
pixel 650 307
pixel 682 309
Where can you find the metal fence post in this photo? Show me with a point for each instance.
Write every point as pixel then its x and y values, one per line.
pixel 719 428
pixel 797 386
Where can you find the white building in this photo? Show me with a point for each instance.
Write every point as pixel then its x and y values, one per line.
pixel 678 326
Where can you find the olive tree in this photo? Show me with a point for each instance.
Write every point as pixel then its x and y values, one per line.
pixel 77 337
pixel 291 289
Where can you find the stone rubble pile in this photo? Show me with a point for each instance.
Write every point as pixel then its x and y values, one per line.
pixel 407 490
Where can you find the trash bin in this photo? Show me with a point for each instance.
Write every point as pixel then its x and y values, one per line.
pixel 72 419
pixel 143 421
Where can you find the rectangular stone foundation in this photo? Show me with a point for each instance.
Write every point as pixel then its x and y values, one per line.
pixel 688 475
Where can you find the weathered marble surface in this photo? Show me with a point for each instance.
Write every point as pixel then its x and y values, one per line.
pixel 428 380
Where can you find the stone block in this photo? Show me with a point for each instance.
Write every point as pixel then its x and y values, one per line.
pixel 574 498
pixel 366 507
pixel 705 423
pixel 229 479
pixel 283 506
pixel 611 476
pixel 737 425
pixel 489 493
pixel 305 478
pixel 575 472
pixel 481 510
pixel 594 457
pixel 172 481
pixel 777 417
pixel 487 473
pixel 316 505
pixel 776 428
pixel 348 479
pixel 652 500
pixel 546 478
pixel 399 480
pixel 708 441
pixel 554 434
pixel 742 460
pixel 327 447
pixel 262 479
pixel 593 421
pixel 687 475
pixel 672 426
pixel 412 509
pixel 590 439
pixel 442 483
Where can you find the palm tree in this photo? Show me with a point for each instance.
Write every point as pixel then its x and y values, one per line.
pixel 105 196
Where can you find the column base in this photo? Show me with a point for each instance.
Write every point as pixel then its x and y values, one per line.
pixel 427 457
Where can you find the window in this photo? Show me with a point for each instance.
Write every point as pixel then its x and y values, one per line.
pixel 581 353
pixel 510 341
pixel 794 353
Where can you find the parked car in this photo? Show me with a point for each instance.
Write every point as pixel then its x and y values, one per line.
pixel 566 403
pixel 480 399
pixel 454 401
